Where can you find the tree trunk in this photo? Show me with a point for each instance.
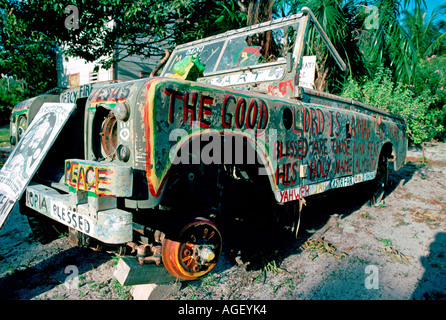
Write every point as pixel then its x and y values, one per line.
pixel 322 70
pixel 259 11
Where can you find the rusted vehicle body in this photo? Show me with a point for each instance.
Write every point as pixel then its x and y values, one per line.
pixel 157 160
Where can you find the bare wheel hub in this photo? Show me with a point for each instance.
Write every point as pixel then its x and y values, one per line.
pixel 196 251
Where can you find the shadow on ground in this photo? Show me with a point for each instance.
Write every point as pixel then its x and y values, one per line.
pixel 259 241
pixel 255 240
pixel 30 282
pixel 432 285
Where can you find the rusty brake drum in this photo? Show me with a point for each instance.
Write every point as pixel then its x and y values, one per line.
pixel 109 135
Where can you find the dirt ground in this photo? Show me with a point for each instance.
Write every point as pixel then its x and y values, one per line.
pixel 346 250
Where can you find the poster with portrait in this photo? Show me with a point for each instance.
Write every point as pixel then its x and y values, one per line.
pixel 29 153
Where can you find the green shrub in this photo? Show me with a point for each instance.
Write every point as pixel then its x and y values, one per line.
pixel 11 93
pixel 423 118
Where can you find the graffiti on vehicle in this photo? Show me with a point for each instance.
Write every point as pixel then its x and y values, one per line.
pixel 248 113
pixel 88 177
pixel 83 91
pixel 316 145
pixel 111 93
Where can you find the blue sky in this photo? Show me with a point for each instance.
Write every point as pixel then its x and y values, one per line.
pixel 432 4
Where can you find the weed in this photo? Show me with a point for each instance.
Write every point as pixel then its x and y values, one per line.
pixel 62 235
pixel 275 287
pixel 289 285
pixel 209 280
pixel 10 270
pixel 93 285
pixel 364 215
pixel 401 222
pixel 359 260
pixel 387 242
pixel 427 217
pixel 322 246
pixel 192 296
pixel 98 286
pixel 397 255
pixel 4 138
pixel 272 266
pixel 121 291
pixel 115 259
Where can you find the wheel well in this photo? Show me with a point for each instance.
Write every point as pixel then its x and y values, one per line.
pixel 387 150
pixel 237 166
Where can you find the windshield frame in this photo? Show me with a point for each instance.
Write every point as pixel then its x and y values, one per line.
pixel 296 21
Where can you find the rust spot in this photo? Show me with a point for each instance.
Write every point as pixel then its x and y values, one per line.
pixel 109 135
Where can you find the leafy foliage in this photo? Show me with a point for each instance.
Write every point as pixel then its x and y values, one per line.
pixel 31 32
pixel 142 27
pixel 217 17
pixel 11 93
pixel 423 122
pixel 389 51
pixel 400 38
pixel 26 53
pixel 338 19
pixel 401 53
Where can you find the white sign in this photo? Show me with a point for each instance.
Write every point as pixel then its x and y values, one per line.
pixel 306 76
pixel 269 74
pixel 27 156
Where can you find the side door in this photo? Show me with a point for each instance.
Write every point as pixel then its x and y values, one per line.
pixel 289 153
pixel 329 160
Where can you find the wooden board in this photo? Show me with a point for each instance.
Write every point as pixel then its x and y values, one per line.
pixel 29 153
pixel 129 272
pixel 154 291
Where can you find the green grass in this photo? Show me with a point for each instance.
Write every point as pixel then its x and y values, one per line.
pixel 387 242
pixel 4 137
pixel 122 292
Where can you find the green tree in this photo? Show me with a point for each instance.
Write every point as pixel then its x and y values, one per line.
pixel 340 20
pixel 217 16
pixel 26 54
pixel 423 122
pixel 142 27
pixel 11 93
pixel 32 31
pixel 400 37
pixel 426 33
pixel 411 46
